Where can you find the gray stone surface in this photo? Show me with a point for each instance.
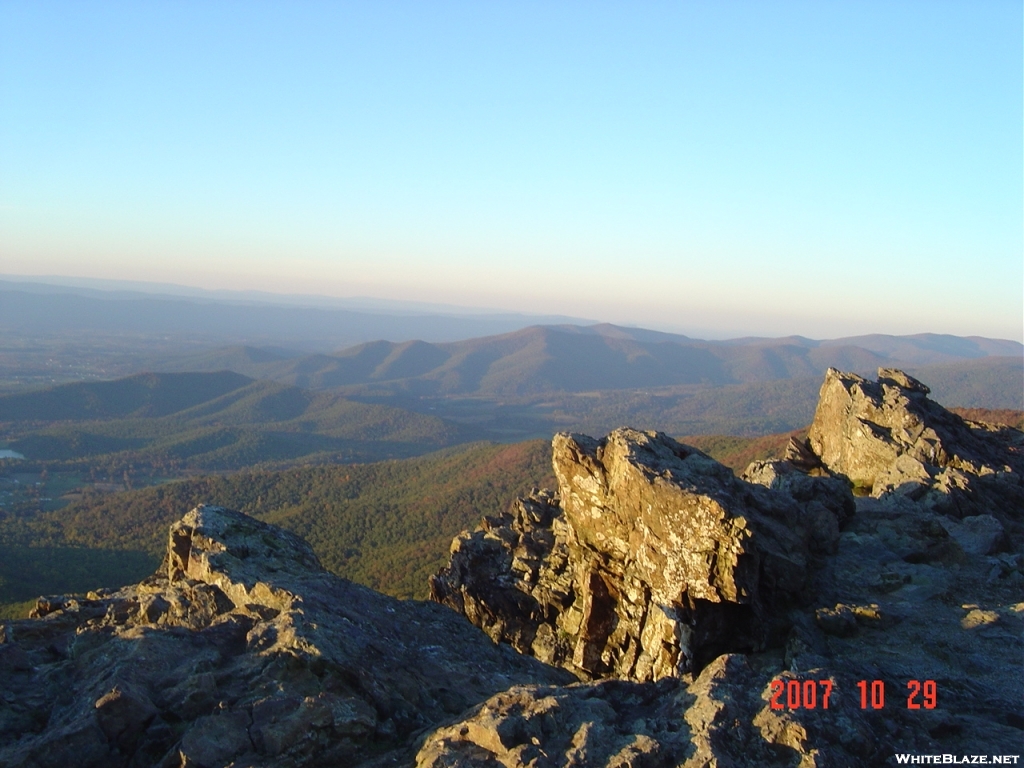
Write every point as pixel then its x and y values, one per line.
pixel 694 594
pixel 650 561
pixel 240 650
pixel 920 578
pixel 892 442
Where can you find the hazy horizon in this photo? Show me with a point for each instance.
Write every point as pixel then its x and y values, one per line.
pixel 377 306
pixel 714 170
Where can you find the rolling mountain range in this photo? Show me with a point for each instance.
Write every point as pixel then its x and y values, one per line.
pixel 571 358
pixel 52 334
pixel 235 406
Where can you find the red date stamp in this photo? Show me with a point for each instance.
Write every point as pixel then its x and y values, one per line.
pixel 800 694
pixel 928 691
pixel 814 694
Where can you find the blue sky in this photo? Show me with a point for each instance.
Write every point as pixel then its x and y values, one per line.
pixel 817 168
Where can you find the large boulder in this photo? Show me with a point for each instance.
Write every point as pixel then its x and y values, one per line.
pixel 652 559
pixel 894 443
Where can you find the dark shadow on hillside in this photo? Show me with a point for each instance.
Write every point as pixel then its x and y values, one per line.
pixel 28 572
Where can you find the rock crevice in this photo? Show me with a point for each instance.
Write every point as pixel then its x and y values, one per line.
pixel 651 560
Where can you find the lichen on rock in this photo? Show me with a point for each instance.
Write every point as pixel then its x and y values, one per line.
pixel 651 560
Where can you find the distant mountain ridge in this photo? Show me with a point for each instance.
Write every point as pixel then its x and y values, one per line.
pixel 572 358
pixel 226 407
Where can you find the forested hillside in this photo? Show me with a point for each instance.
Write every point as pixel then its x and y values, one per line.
pixel 387 525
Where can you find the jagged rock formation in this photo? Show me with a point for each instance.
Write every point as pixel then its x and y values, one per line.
pixel 901 587
pixel 653 560
pixel 893 442
pixel 241 650
pixel 653 563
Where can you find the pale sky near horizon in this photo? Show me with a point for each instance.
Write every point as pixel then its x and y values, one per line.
pixel 817 168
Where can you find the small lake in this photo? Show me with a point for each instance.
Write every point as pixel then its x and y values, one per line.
pixel 6 454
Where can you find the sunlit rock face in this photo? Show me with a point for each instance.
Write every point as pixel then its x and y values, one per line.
pixel 655 612
pixel 721 717
pixel 709 596
pixel 894 443
pixel 651 560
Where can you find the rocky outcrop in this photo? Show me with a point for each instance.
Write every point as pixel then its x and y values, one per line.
pixel 894 443
pixel 652 559
pixel 241 650
pixel 824 500
pixel 730 606
pixel 902 585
